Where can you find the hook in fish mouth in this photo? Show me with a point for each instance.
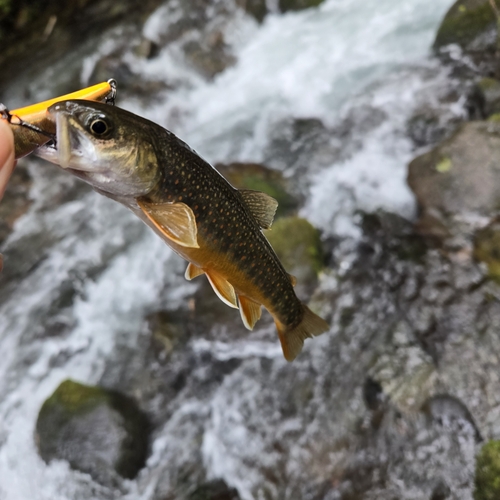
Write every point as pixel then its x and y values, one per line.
pixel 17 120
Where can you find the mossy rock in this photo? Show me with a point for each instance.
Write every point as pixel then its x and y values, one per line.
pixel 458 181
pixel 487 248
pixel 260 178
pixel 298 245
pixel 487 481
pixel 465 22
pixel 256 8
pixel 489 95
pixel 286 5
pixel 97 431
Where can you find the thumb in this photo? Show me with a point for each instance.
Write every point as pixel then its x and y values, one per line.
pixel 7 160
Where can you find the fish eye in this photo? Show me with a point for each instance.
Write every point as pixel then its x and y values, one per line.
pixel 99 127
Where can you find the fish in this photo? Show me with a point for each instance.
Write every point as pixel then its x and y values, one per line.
pixel 31 126
pixel 193 208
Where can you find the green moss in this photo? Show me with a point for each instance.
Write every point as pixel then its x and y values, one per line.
pixel 487 249
pixel 495 118
pixel 444 165
pixel 466 20
pixel 298 245
pixel 487 482
pixel 73 397
pixel 5 7
pixel 486 84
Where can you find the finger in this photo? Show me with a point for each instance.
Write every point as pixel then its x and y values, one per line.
pixel 7 161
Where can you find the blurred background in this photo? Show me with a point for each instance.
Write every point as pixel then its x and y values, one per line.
pixel 376 125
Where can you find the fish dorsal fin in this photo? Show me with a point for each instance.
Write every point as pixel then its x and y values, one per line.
pixel 175 221
pixel 261 206
pixel 293 279
pixel 193 271
pixel 250 311
pixel 222 288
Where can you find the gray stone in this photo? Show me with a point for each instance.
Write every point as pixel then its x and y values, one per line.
pixel 97 431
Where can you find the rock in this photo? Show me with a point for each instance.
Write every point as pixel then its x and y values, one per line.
pixel 448 410
pixel 425 128
pixel 301 145
pixel 489 92
pixel 487 481
pixel 28 46
pixel 97 431
pixel 260 178
pixel 214 490
pixel 470 24
pixel 209 55
pixel 256 8
pixel 487 248
pixel 457 184
pixel 298 245
pixel 286 5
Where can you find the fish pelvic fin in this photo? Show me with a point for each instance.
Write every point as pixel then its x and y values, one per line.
pixel 193 271
pixel 175 221
pixel 292 339
pixel 250 311
pixel 293 279
pixel 223 289
pixel 261 205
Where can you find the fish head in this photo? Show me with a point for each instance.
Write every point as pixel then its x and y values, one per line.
pixel 108 147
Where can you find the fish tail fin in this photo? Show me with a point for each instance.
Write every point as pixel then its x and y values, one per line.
pixel 292 339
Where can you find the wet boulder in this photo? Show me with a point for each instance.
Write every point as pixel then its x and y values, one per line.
pixel 487 481
pixel 97 431
pixel 209 55
pixel 471 24
pixel 214 490
pixel 286 5
pixel 298 245
pixel 256 8
pixel 489 94
pixel 457 184
pixel 260 178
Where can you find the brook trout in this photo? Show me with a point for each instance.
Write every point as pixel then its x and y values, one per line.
pixel 33 128
pixel 214 226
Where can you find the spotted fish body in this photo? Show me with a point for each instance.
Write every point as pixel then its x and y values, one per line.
pixel 214 226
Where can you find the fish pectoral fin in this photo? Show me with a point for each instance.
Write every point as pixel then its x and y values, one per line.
pixel 222 288
pixel 250 311
pixel 193 271
pixel 261 206
pixel 176 221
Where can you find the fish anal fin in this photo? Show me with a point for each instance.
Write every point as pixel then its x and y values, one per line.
pixel 292 339
pixel 193 271
pixel 250 311
pixel 222 288
pixel 261 206
pixel 176 221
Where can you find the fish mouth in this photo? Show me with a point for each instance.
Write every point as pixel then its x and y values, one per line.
pixel 73 148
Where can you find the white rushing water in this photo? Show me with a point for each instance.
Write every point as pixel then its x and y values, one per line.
pixel 318 63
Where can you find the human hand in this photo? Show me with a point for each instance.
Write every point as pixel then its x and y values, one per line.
pixel 7 161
